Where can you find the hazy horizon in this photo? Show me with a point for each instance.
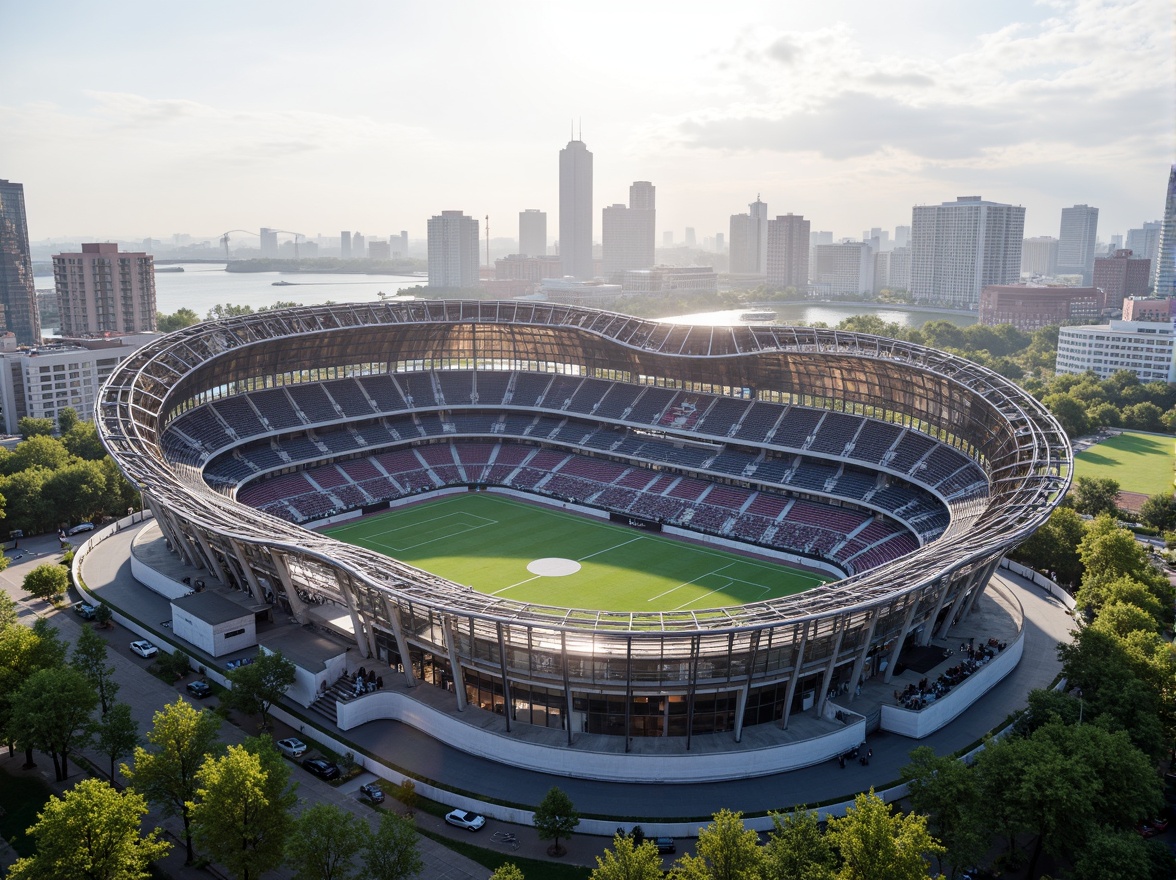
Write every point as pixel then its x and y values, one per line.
pixel 127 120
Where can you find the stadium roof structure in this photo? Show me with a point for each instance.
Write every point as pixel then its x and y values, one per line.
pixel 1021 447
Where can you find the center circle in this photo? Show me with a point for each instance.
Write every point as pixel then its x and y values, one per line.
pixel 553 566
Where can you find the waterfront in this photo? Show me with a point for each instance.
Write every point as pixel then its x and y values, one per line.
pixel 810 313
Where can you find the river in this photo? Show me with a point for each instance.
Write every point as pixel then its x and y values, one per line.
pixel 831 314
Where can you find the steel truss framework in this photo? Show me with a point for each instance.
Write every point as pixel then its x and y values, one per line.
pixel 566 656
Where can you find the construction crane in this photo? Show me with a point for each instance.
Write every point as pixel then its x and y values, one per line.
pixel 224 239
pixel 297 235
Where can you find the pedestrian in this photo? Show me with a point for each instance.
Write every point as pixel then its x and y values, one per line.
pixel 869 753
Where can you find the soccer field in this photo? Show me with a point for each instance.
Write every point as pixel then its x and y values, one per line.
pixel 1137 462
pixel 531 553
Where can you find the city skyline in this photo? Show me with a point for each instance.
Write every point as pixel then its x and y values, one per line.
pixel 850 116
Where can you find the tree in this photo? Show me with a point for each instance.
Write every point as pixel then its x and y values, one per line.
pixel 103 615
pixel 874 843
pixel 260 684
pixel 628 860
pixel 1126 851
pixel 324 842
pixel 177 664
pixel 1159 511
pixel 82 442
pixel 67 419
pixel 1096 495
pixel 725 851
pixel 28 427
pixel 181 738
pixel 406 793
pixel 944 789
pixel 27 508
pixel 8 613
pixel 24 651
pixel 797 850
pixel 1069 412
pixel 117 734
pixel 1054 546
pixel 510 871
pixel 219 311
pixel 555 817
pixel 177 320
pixel 92 832
pixel 48 581
pixel 241 812
pixel 89 658
pixel 391 852
pixel 39 451
pixel 51 712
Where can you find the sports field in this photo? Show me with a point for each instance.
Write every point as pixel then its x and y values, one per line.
pixel 1137 462
pixel 531 553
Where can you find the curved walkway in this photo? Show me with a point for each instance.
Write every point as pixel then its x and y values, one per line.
pixel 106 571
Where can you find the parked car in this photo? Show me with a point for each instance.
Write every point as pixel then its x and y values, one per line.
pixel 86 610
pixel 293 748
pixel 371 793
pixel 81 527
pixel 199 689
pixel 665 845
pixel 321 767
pixel 144 648
pixel 462 819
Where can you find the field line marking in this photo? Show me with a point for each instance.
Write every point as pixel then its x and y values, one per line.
pixel 688 583
pixel 512 586
pixel 609 549
pixel 703 596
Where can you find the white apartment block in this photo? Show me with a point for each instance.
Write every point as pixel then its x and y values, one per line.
pixel 453 250
pixel 1146 348
pixel 845 269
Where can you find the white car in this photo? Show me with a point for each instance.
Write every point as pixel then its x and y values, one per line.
pixel 462 819
pixel 144 649
pixel 292 748
pixel 81 527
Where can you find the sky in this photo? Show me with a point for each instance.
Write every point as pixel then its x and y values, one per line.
pixel 125 120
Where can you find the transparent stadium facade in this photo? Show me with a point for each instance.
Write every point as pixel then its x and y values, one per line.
pixel 673 674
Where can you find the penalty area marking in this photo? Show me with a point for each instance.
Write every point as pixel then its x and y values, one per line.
pixel 553 566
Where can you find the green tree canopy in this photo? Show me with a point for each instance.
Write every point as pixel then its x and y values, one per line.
pixel 181 738
pixel 725 851
pixel 28 427
pixel 797 849
pixel 242 810
pixel 89 658
pixel 628 860
pixel 177 320
pixel 260 684
pixel 48 581
pixel 875 843
pixel 392 852
pixel 51 712
pixel 92 832
pixel 556 818
pixel 944 789
pixel 324 842
pixel 1096 495
pixel 116 735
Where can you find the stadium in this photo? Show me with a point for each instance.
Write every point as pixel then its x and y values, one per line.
pixel 805 504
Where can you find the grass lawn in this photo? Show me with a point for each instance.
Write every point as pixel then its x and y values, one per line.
pixel 492 543
pixel 1137 462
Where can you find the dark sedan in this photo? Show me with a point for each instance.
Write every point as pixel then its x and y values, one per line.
pixel 322 768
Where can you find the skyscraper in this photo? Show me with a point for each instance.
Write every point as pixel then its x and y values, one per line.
pixel 533 233
pixel 1145 242
pixel 1076 241
pixel 627 234
pixel 1165 282
pixel 1039 256
pixel 749 240
pixel 575 210
pixel 102 291
pixel 788 252
pixel 269 242
pixel 18 293
pixel 959 247
pixel 345 245
pixel 453 250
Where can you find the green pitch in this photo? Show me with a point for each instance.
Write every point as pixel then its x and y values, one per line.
pixel 1137 462
pixel 526 552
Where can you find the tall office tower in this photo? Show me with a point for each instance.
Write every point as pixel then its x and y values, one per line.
pixel 691 241
pixel 533 233
pixel 345 245
pixel 102 291
pixel 1145 242
pixel 1121 277
pixel 1076 242
pixel 18 294
pixel 902 236
pixel 399 244
pixel 1165 280
pixel 1039 256
pixel 575 210
pixel 959 247
pixel 453 250
pixel 788 252
pixel 627 234
pixel 269 242
pixel 749 240
pixel 358 245
pixel 720 242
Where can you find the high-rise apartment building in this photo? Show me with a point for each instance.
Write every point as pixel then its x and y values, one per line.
pixel 788 252
pixel 575 210
pixel 1165 277
pixel 103 291
pixel 749 240
pixel 398 245
pixel 269 242
pixel 1145 242
pixel 902 236
pixel 898 269
pixel 533 233
pixel 959 247
pixel 627 234
pixel 358 245
pixel 691 239
pixel 18 293
pixel 345 245
pixel 1120 277
pixel 1076 241
pixel 845 269
pixel 453 250
pixel 1039 256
